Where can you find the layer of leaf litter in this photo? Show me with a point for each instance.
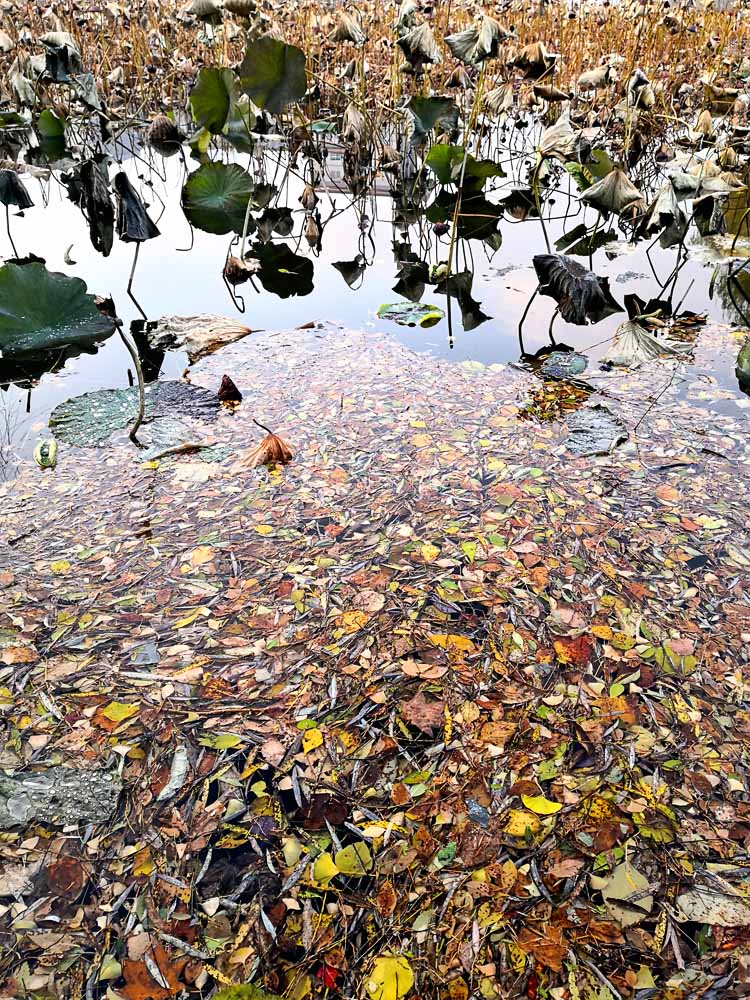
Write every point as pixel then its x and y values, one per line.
pixel 437 673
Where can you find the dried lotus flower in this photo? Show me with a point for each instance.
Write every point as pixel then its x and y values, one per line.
pixel 308 198
pixel 162 131
pixel 271 450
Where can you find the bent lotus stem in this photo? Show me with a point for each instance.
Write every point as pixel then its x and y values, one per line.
pixel 141 385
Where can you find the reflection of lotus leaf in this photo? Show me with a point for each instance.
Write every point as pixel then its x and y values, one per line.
pixel 41 311
pixel 281 271
pixel 89 420
pixel 411 314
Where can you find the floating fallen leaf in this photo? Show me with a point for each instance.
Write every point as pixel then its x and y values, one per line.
pixel 272 450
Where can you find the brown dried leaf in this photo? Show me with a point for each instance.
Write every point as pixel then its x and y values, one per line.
pixel 271 450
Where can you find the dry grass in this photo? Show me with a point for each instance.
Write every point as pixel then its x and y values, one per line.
pixel 146 56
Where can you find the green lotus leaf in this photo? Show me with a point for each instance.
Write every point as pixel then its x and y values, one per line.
pixel 213 97
pixel 273 74
pixel 41 310
pixel 215 197
pixel 411 313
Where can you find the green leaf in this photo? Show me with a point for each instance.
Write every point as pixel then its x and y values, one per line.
pixel 430 112
pixel 41 310
pixel 411 314
pixel 273 74
pixel 215 197
pixel 239 125
pixel 213 97
pixel 248 991
pixel 447 163
pixel 354 859
pixel 50 125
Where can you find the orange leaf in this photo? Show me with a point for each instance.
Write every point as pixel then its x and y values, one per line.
pixel 575 650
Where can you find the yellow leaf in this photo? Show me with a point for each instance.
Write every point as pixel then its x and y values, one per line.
pixel 201 555
pixel 264 529
pixel 538 804
pixel 324 869
pixel 189 618
pixel 430 552
pixel 61 566
pixel 144 864
pixel 602 632
pixel 118 711
pixel 520 823
pixel 312 739
pixel 353 621
pixel 391 977
pixel 459 643
pixel 354 859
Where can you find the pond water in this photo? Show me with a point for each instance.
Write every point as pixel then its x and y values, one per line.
pixel 180 273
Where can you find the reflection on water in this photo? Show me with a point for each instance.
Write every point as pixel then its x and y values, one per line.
pixel 353 252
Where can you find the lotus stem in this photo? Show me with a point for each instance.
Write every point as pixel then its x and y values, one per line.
pixel 132 351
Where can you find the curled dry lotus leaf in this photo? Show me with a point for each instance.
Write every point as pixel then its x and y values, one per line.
pixel 459 79
pixel 348 30
pixel 595 79
pixel 419 46
pixel 272 450
pixel 633 345
pixel 353 124
pixel 133 222
pixel 615 192
pixel 205 10
pixel 562 142
pixel 704 126
pixel 550 94
pixel 475 45
pixel 500 99
pixel 582 296
pixel 13 190
pixel 199 336
pixel 241 8
pixel 535 61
